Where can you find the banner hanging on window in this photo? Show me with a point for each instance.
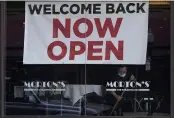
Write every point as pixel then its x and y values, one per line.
pixel 85 32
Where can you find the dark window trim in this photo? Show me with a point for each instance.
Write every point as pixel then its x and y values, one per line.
pixel 2 66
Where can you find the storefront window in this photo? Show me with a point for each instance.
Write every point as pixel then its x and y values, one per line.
pixel 81 89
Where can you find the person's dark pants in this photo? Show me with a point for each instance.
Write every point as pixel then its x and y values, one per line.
pixel 111 100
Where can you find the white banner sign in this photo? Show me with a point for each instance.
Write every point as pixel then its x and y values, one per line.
pixel 86 32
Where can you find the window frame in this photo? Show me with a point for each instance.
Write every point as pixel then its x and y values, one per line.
pixel 2 65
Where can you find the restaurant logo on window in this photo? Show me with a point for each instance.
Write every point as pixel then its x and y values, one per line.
pixel 128 86
pixel 44 86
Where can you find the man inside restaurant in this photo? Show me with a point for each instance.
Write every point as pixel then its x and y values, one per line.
pixel 115 98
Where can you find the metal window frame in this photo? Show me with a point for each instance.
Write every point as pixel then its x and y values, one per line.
pixel 2 68
pixel 172 61
pixel 2 54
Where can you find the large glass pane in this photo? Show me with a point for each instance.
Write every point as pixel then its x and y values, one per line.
pixel 156 72
pixel 86 89
pixel 37 89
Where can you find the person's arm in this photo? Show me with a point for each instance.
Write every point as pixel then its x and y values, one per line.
pixel 116 96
